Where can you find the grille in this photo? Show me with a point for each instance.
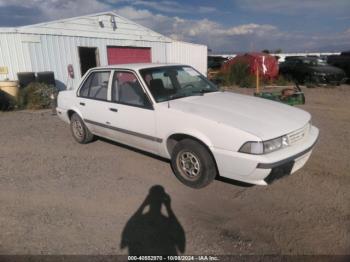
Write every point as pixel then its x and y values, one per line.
pixel 298 135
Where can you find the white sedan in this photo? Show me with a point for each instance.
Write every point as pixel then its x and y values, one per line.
pixel 175 112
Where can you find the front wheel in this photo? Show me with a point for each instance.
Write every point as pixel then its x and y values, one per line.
pixel 79 130
pixel 193 164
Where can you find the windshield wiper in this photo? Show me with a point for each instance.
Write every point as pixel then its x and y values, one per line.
pixel 203 91
pixel 176 96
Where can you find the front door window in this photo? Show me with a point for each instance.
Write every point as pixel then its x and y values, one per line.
pixel 126 89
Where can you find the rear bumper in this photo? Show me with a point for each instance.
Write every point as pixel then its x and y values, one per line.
pixel 62 114
pixel 264 169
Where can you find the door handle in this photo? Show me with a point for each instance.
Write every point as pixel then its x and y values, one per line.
pixel 82 104
pixel 114 109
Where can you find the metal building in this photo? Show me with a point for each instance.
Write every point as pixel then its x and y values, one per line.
pixel 78 43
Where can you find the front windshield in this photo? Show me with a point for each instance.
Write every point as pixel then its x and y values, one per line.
pixel 172 82
pixel 321 62
pixel 314 62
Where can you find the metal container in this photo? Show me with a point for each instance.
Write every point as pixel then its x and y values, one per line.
pixel 10 88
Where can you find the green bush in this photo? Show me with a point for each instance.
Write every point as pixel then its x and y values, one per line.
pixel 6 101
pixel 238 74
pixel 248 82
pixel 279 81
pixel 35 96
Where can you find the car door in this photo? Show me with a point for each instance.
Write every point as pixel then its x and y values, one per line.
pixel 132 114
pixel 93 102
pixel 301 70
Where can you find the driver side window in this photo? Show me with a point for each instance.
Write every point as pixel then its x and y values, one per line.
pixel 126 89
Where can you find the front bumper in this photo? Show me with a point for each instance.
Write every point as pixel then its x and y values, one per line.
pixel 286 166
pixel 328 79
pixel 264 169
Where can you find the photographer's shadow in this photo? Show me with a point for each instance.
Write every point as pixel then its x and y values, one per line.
pixel 151 232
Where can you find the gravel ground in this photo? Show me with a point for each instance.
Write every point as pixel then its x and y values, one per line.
pixel 60 197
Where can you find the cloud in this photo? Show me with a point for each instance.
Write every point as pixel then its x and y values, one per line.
pixel 218 36
pixel 17 15
pixel 205 31
pixel 44 10
pixel 338 41
pixel 182 28
pixel 295 6
pixel 162 6
pixel 244 37
pixel 159 23
pixel 167 6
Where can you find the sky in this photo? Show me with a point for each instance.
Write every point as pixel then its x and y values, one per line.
pixel 225 26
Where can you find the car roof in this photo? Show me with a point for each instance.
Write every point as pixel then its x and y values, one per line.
pixel 137 66
pixel 302 58
pixel 294 57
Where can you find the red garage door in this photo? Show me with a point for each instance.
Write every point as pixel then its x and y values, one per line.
pixel 125 55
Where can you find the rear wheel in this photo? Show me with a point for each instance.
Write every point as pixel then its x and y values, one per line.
pixel 193 164
pixel 79 130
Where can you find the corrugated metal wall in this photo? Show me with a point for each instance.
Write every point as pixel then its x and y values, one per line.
pixel 190 54
pixel 35 53
pixel 13 54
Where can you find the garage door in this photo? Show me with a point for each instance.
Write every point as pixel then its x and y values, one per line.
pixel 125 55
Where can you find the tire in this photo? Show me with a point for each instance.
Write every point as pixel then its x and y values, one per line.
pixel 79 130
pixel 193 164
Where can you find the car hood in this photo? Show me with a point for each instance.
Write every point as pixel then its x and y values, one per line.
pixel 260 117
pixel 327 69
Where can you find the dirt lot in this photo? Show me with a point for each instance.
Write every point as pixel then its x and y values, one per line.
pixel 59 197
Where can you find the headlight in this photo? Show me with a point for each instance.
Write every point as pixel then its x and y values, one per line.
pixel 258 148
pixel 255 148
pixel 275 144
